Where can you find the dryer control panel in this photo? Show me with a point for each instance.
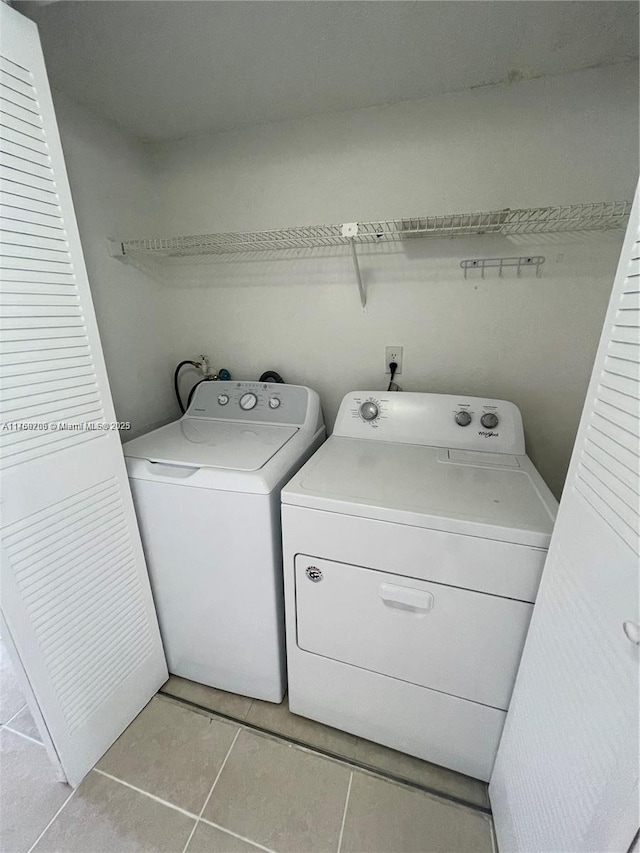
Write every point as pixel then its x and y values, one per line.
pixel 435 420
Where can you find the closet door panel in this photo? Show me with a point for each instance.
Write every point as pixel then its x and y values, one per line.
pixel 75 592
pixel 566 774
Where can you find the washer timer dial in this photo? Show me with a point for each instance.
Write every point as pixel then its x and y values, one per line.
pixel 248 402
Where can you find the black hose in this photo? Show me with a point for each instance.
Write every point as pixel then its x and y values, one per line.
pixel 271 376
pixel 193 390
pixel 176 375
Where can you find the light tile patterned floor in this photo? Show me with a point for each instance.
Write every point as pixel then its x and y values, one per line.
pixel 11 699
pixel 278 719
pixel 183 781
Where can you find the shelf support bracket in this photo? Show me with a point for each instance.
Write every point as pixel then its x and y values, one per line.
pixel 116 249
pixel 350 231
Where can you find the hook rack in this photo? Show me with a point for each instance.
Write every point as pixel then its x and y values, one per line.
pixel 524 262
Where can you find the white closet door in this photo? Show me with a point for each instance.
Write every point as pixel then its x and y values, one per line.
pixel 75 591
pixel 566 775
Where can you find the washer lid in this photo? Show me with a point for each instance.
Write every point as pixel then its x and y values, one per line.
pixel 423 487
pixel 201 442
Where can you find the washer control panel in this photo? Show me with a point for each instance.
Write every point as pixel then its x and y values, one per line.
pixel 264 402
pixel 437 420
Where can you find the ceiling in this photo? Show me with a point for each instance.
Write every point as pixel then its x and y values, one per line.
pixel 166 70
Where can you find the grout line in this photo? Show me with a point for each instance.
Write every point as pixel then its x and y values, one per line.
pixel 146 794
pixel 11 719
pixel 215 782
pixel 206 802
pixel 235 835
pixel 35 843
pixel 193 829
pixel 342 759
pixel 22 734
pixel 344 814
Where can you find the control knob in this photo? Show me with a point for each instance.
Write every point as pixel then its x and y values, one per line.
pixel 248 401
pixel 223 399
pixel 463 418
pixel 369 411
pixel 274 402
pixel 489 420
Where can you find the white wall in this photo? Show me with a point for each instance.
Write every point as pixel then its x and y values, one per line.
pixel 566 139
pixel 114 193
pixel 555 141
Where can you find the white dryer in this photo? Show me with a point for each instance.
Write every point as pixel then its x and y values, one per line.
pixel 414 541
pixel 207 495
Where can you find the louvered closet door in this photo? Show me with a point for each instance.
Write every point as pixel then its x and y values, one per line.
pixel 566 775
pixel 75 591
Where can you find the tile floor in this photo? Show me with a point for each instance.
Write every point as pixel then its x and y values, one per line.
pixel 183 780
pixel 279 720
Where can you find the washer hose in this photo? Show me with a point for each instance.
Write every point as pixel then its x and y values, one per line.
pixel 176 375
pixel 193 390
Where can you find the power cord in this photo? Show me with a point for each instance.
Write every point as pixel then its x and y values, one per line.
pixel 392 370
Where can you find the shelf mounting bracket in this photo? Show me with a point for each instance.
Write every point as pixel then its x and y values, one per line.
pixel 115 248
pixel 350 231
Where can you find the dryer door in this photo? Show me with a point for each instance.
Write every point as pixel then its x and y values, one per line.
pixel 464 643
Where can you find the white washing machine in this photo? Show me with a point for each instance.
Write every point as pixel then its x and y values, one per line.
pixel 414 541
pixel 207 495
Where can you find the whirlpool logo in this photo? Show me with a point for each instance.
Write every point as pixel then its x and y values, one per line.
pixel 488 433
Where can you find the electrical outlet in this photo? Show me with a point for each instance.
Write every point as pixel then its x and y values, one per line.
pixel 393 354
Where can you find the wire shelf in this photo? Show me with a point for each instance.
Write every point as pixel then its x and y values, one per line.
pixel 595 216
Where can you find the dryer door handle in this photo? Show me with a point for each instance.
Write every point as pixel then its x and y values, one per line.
pixel 405 598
